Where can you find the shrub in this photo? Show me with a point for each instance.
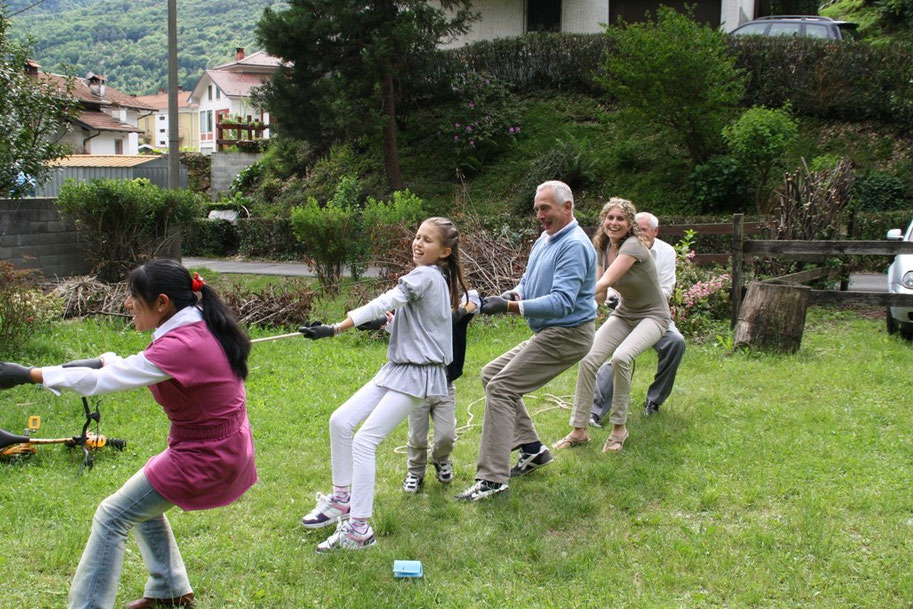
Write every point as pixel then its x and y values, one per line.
pixel 570 160
pixel 483 121
pixel 537 61
pixel 123 223
pixel 700 300
pixel 389 227
pixel 329 234
pixel 269 238
pixel 719 185
pixel 880 191
pixel 836 81
pixel 759 140
pixel 203 237
pixel 199 170
pixel 23 307
pixel 674 75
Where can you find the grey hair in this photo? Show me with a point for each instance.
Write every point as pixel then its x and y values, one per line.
pixel 652 220
pixel 561 192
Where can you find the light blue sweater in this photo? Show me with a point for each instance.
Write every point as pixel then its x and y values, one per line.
pixel 559 285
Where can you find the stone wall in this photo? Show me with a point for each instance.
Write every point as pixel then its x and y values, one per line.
pixel 225 166
pixel 33 235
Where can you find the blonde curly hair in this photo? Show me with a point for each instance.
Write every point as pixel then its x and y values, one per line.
pixel 627 208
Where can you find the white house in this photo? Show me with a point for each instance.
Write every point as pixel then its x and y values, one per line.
pixel 504 18
pixel 227 90
pixel 107 119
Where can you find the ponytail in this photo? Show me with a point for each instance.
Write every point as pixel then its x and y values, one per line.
pixel 222 323
pixel 169 277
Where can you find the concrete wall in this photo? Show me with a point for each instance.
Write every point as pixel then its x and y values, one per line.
pixel 225 166
pixel 33 235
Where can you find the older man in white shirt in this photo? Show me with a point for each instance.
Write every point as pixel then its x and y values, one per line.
pixel 670 348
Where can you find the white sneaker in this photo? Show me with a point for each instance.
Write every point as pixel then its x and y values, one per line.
pixel 327 512
pixel 345 538
pixel 482 489
pixel 412 483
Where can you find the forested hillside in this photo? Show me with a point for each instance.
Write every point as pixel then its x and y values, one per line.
pixel 126 40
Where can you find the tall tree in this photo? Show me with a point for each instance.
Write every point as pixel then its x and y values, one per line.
pixel 347 61
pixel 33 117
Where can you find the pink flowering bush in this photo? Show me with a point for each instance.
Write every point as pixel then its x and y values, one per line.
pixel 482 123
pixel 700 300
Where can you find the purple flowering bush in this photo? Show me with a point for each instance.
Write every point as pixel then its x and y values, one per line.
pixel 482 123
pixel 700 300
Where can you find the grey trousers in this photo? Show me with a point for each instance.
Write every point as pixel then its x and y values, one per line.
pixel 506 379
pixel 441 410
pixel 670 349
pixel 620 341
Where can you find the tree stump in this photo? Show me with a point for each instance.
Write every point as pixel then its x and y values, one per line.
pixel 772 316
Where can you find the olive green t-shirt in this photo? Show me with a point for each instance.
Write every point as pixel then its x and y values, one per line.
pixel 639 288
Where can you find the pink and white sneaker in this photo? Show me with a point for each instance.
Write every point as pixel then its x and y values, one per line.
pixel 346 538
pixel 327 512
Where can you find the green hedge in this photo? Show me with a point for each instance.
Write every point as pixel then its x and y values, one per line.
pixel 837 80
pixel 563 62
pixel 846 80
pixel 270 238
pixel 210 238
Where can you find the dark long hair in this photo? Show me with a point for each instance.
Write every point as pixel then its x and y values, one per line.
pixel 452 266
pixel 169 277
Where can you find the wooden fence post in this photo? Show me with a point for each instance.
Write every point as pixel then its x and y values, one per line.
pixel 773 316
pixel 735 297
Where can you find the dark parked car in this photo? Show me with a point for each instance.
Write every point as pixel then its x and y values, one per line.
pixel 808 26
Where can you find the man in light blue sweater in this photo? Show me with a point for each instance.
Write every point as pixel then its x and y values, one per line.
pixel 557 296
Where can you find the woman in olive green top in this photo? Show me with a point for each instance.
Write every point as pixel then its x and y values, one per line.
pixel 638 322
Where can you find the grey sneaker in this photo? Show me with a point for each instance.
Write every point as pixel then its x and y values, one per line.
pixel 345 538
pixel 326 513
pixel 444 471
pixel 412 483
pixel 530 461
pixel 482 489
pixel 595 422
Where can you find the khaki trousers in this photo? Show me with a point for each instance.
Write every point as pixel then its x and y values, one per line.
pixel 623 341
pixel 506 379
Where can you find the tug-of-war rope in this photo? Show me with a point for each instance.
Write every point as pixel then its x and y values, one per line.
pixel 557 403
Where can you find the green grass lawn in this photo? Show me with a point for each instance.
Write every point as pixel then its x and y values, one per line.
pixel 766 481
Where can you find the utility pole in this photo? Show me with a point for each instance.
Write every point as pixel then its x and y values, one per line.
pixel 174 152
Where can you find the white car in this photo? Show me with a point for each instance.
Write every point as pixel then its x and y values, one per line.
pixel 900 281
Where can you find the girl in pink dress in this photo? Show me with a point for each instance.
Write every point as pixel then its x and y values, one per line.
pixel 195 369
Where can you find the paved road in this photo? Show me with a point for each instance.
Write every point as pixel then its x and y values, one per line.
pixel 863 282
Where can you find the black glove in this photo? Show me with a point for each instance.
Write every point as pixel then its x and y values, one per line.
pixel 612 302
pixel 510 295
pixel 375 324
pixel 493 304
pixel 459 313
pixel 84 363
pixel 13 374
pixel 316 329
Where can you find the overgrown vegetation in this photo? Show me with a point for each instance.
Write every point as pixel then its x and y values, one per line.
pixel 122 223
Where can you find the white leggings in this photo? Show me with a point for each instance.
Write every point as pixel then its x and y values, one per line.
pixel 353 457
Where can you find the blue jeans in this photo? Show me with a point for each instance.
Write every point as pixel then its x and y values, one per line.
pixel 135 506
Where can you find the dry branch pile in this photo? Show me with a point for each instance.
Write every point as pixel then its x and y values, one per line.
pixel 494 262
pixel 270 306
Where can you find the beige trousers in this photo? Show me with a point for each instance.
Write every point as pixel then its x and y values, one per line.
pixel 506 379
pixel 623 341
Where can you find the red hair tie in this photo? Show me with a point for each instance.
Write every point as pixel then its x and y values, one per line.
pixel 197 284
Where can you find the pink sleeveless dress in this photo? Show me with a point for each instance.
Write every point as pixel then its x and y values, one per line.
pixel 209 461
